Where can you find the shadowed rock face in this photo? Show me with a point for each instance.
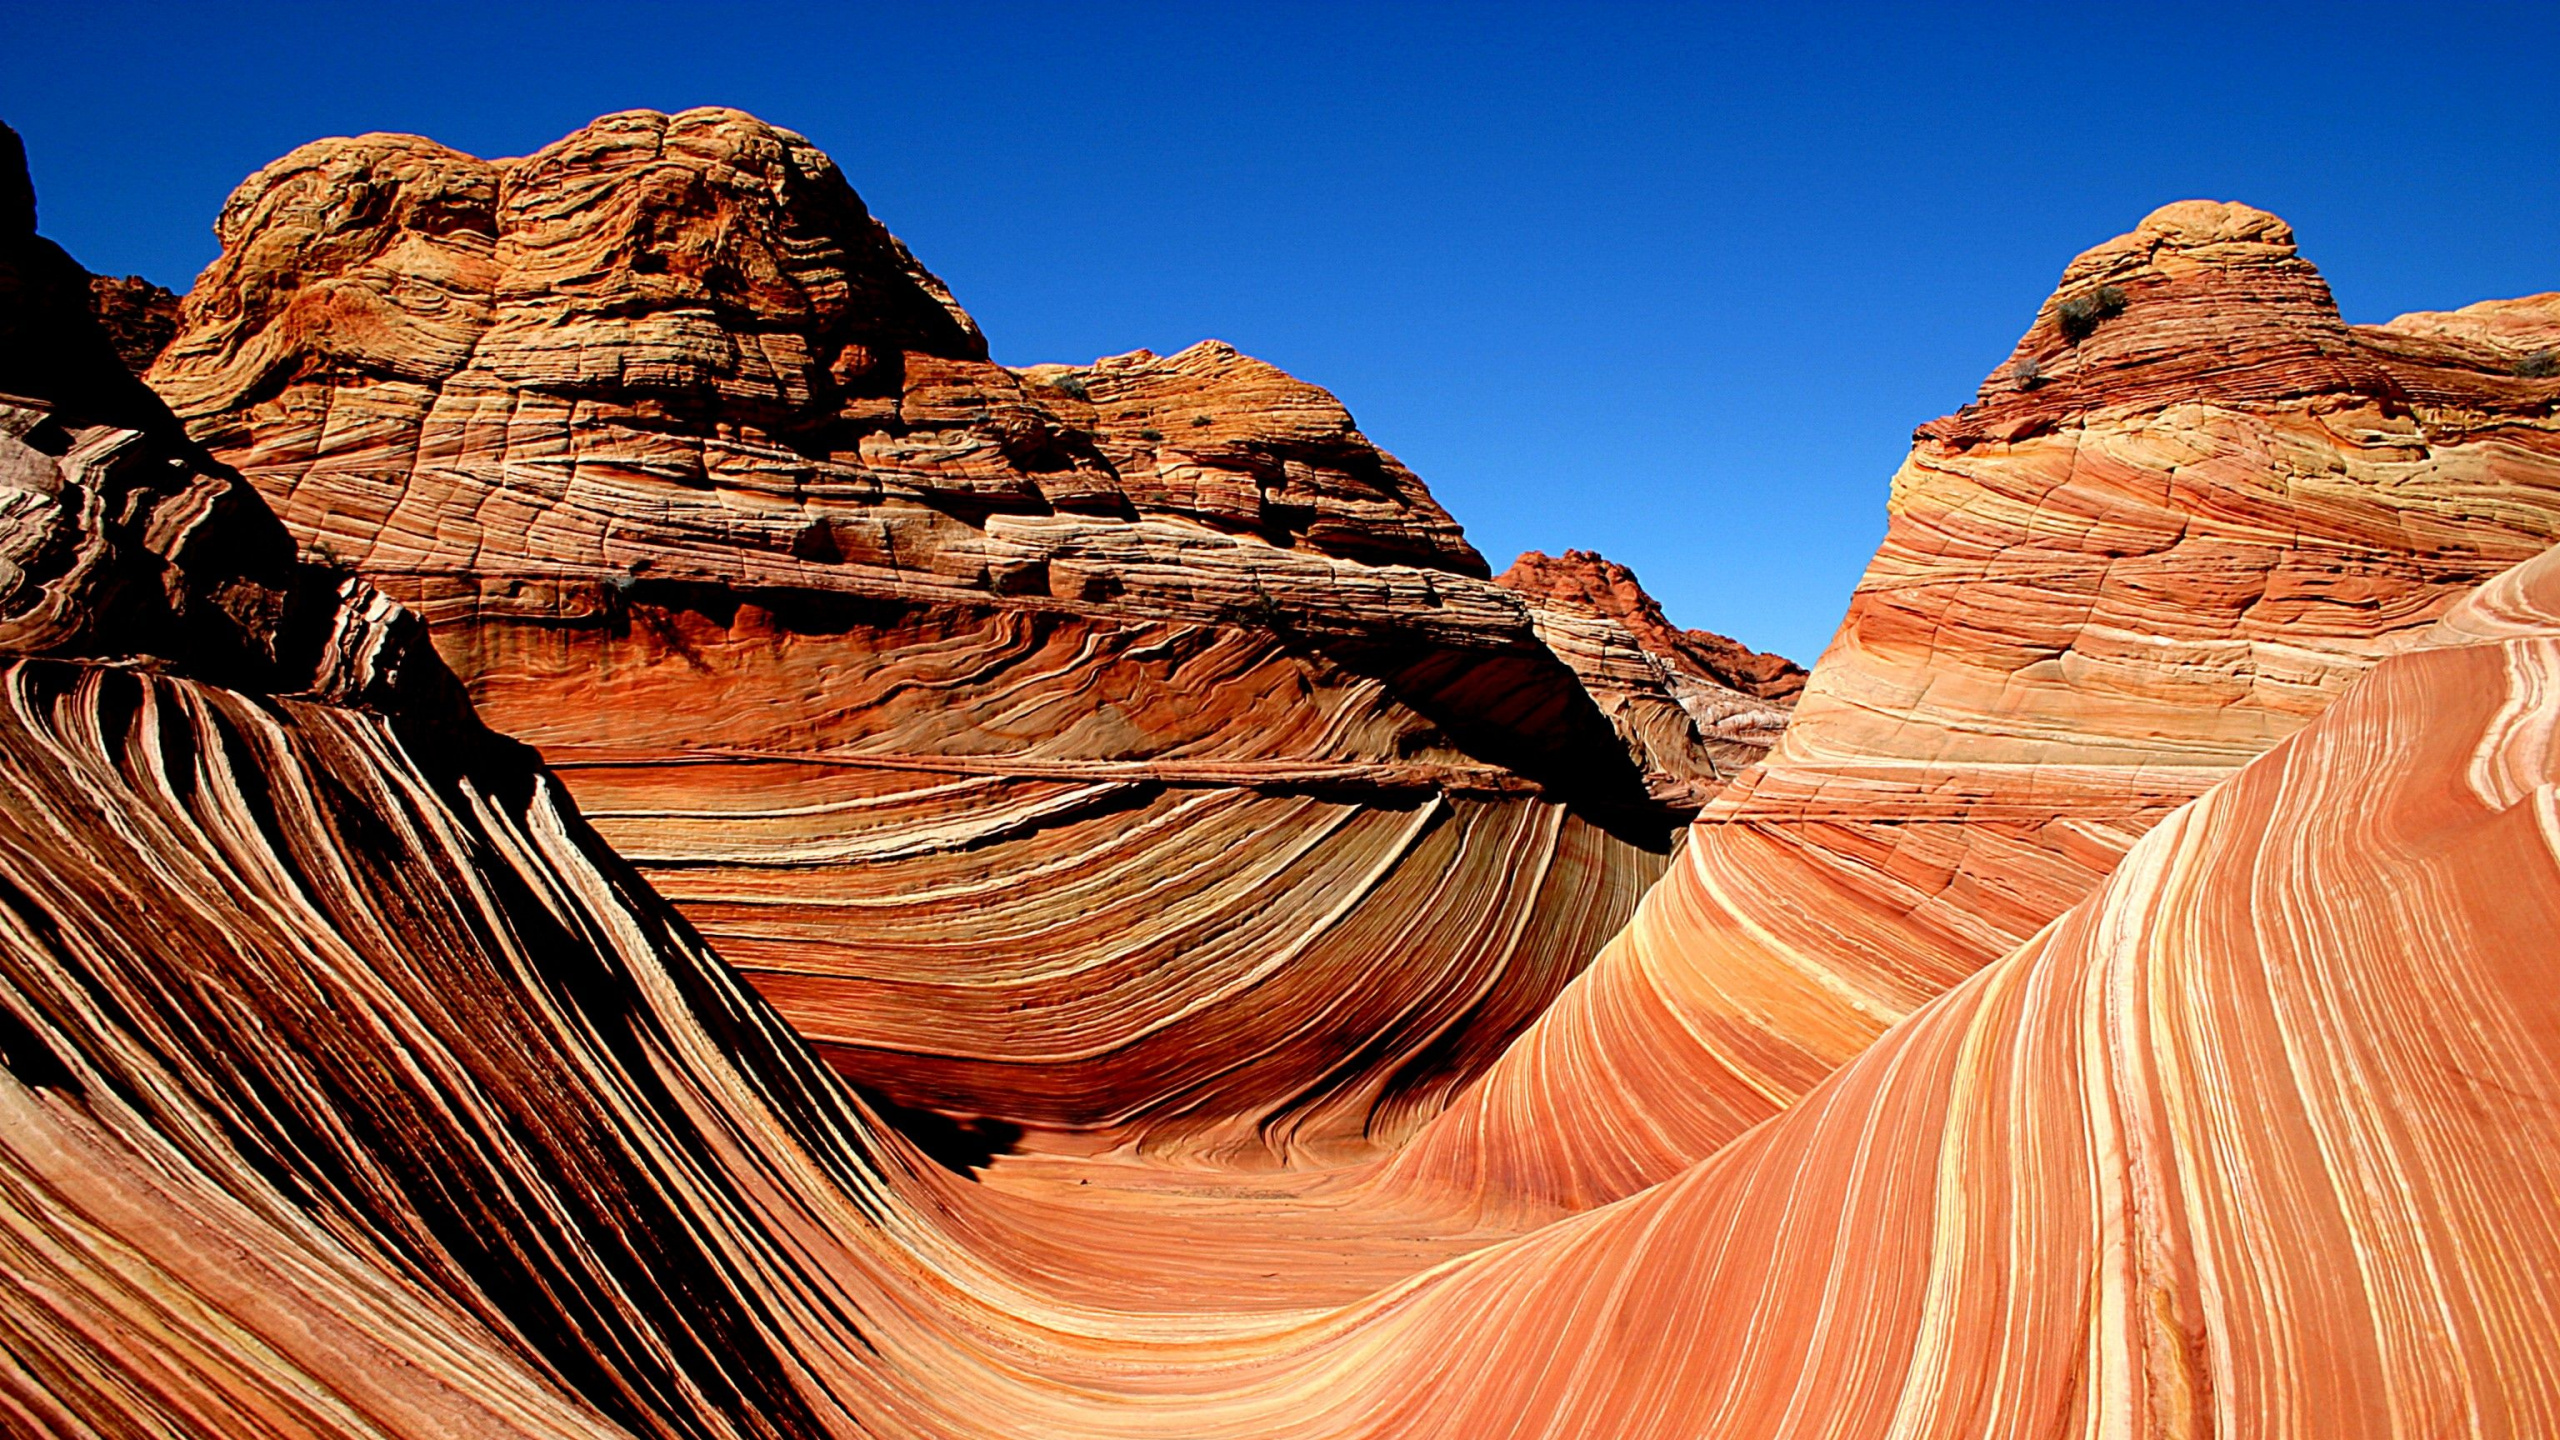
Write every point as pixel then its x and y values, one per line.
pixel 2190 511
pixel 140 318
pixel 1125 752
pixel 349 1086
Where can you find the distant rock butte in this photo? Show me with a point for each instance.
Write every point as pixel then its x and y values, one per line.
pixel 2188 512
pixel 1041 740
pixel 1596 585
pixel 139 318
pixel 1673 694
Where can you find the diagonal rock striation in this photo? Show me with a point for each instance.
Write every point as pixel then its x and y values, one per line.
pixel 2191 509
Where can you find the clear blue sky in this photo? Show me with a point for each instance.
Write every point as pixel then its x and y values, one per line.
pixel 1672 284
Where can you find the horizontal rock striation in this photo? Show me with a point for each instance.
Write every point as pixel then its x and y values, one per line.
pixel 1131 752
pixel 2191 509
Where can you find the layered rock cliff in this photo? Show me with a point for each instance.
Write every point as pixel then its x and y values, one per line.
pixel 2186 514
pixel 1126 751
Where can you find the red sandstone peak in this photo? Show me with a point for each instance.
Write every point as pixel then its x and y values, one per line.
pixel 2202 300
pixel 1592 582
pixel 660 243
pixel 721 300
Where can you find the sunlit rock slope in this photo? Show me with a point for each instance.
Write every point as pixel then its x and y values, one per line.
pixel 1127 751
pixel 2190 510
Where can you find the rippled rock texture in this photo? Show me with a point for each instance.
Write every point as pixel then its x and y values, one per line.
pixel 351 1086
pixel 2186 514
pixel 1125 752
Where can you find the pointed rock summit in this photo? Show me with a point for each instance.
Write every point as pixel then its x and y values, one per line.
pixel 1673 694
pixel 2193 508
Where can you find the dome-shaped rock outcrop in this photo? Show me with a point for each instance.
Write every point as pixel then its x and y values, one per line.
pixel 1125 751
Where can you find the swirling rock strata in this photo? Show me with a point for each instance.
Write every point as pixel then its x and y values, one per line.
pixel 2254 1140
pixel 349 1086
pixel 2188 512
pixel 1128 751
pixel 351 1091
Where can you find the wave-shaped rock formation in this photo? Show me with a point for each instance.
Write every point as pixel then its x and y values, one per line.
pixel 2191 508
pixel 1124 751
pixel 350 1086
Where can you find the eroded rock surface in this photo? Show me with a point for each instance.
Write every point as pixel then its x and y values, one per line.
pixel 1127 751
pixel 350 1086
pixel 2192 508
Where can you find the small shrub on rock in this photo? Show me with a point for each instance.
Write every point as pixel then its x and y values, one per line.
pixel 2081 315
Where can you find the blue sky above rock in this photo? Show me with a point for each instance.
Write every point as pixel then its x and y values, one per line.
pixel 1674 284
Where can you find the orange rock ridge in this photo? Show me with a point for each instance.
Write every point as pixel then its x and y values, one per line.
pixel 2166 535
pixel 1052 745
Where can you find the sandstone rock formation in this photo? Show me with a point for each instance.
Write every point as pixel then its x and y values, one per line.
pixel 1128 751
pixel 139 318
pixel 1673 694
pixel 2254 1140
pixel 350 1086
pixel 2188 512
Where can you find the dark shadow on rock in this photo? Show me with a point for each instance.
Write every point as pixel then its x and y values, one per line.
pixel 963 1147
